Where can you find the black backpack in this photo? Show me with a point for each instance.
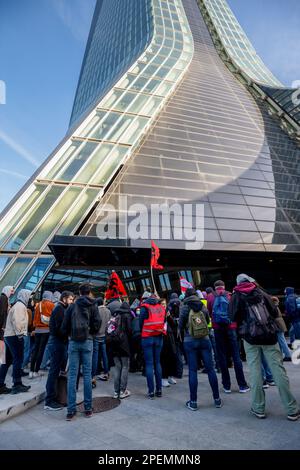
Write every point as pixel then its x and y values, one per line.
pixel 80 323
pixel 259 326
pixel 115 331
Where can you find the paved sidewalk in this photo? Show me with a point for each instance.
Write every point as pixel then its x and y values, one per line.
pixel 165 423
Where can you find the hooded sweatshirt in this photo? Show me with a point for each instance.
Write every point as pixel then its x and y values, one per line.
pixel 113 305
pixel 174 305
pixel 6 292
pixel 190 303
pixel 123 349
pixel 43 312
pixel 88 308
pixel 17 319
pixel 238 306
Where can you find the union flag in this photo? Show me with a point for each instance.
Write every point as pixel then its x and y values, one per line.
pixel 155 253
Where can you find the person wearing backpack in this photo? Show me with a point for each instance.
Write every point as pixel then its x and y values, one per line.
pixel 193 321
pixel 153 328
pixel 81 322
pixel 174 307
pixel 256 315
pixel 15 330
pixel 292 309
pixel 58 345
pixel 100 343
pixel 41 321
pixel 118 333
pixel 225 334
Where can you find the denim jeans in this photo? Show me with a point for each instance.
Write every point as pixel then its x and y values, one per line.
pixel 265 369
pixel 80 353
pixel 274 358
pixel 103 355
pixel 58 355
pixel 121 370
pixel 221 336
pixel 95 356
pixel 28 348
pixel 283 344
pixel 40 343
pixel 46 358
pixel 192 348
pixel 152 347
pixel 296 328
pixel 14 353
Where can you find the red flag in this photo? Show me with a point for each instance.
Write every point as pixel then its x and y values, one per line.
pixel 155 253
pixel 115 287
pixel 184 284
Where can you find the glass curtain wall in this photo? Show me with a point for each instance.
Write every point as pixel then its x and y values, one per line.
pixel 77 175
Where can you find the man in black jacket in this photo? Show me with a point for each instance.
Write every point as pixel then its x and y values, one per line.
pixel 57 345
pixel 81 322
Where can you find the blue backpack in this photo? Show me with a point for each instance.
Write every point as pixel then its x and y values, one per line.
pixel 221 310
pixel 292 306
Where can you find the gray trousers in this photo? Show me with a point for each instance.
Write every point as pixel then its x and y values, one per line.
pixel 120 372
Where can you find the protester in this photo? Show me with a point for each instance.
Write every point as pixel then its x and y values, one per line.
pixel 152 323
pixel 225 334
pixel 255 314
pixel 292 310
pixel 99 344
pixel 193 321
pixel 81 322
pixel 118 335
pixel 15 330
pixel 41 321
pixel 280 334
pixel 168 357
pixel 57 344
pixel 7 292
pixel 173 308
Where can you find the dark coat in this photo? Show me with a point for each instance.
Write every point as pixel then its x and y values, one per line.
pixel 123 349
pixel 89 309
pixel 190 303
pixel 3 313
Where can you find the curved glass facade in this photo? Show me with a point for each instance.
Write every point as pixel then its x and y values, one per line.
pixel 288 99
pixel 120 31
pixel 214 143
pixel 235 42
pixel 78 173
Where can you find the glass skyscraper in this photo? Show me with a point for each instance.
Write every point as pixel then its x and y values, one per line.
pixel 173 105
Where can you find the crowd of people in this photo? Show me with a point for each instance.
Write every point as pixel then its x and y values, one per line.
pixel 94 337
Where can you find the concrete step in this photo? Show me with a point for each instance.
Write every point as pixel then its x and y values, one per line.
pixel 12 405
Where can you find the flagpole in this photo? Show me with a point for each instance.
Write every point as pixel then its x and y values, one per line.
pixel 154 288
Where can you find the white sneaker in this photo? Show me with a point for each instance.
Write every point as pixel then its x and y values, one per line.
pixel 172 381
pixel 35 375
pixel 116 395
pixel 30 376
pixel 165 383
pixel 125 394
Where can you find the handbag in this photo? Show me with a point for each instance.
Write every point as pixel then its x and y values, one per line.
pixel 44 319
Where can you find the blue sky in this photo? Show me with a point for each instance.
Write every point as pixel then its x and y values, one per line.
pixel 42 44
